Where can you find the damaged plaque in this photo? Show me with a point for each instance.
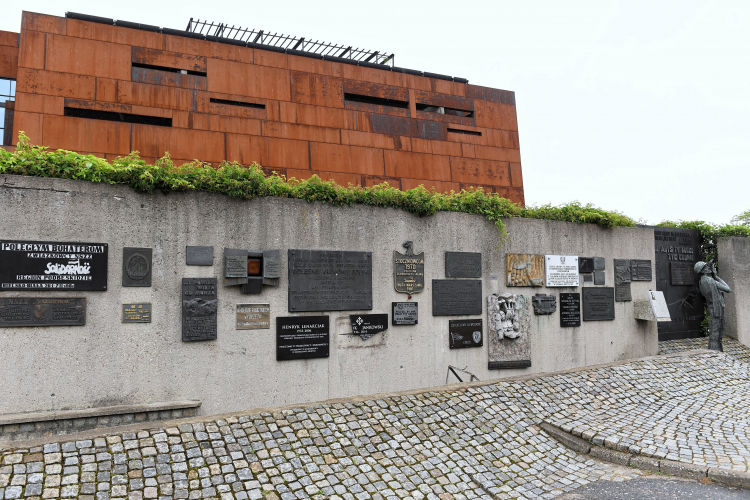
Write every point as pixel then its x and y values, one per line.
pixel 524 269
pixel 622 281
pixel 199 306
pixel 33 311
pixel 544 304
pixel 367 325
pixel 585 264
pixel 408 270
pixel 465 333
pixel 509 336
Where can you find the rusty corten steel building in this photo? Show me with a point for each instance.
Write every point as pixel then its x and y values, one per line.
pixel 105 87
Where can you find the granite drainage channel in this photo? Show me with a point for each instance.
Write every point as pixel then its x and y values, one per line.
pixel 649 464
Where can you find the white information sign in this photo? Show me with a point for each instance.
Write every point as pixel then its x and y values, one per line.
pixel 659 305
pixel 561 270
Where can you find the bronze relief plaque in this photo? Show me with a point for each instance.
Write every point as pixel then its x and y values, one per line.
pixel 136 266
pixel 33 311
pixel 199 307
pixel 524 269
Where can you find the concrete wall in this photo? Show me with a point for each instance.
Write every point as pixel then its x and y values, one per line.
pixel 107 362
pixel 734 268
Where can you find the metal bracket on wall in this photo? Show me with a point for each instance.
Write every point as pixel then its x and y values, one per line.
pixel 452 369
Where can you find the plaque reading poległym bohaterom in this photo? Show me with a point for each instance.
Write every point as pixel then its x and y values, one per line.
pixel 329 280
pixel 456 297
pixel 50 266
pixel 302 337
pixel 33 311
pixel 199 308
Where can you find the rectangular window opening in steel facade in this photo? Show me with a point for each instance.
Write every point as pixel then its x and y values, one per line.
pixel 378 101
pixel 168 69
pixel 441 110
pixel 461 131
pixel 114 116
pixel 238 103
pixel 7 102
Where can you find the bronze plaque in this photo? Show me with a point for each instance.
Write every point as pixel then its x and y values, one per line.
pixel 199 256
pixel 524 269
pixel 253 316
pixel 622 281
pixel 640 270
pixel 199 308
pixel 408 272
pixel 681 273
pixel 136 313
pixel 463 265
pixel 32 311
pixel 136 266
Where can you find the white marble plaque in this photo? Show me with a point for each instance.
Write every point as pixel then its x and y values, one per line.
pixel 659 305
pixel 561 270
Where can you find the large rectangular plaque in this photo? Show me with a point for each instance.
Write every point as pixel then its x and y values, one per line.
pixel 465 333
pixel 570 309
pixel 561 270
pixel 33 311
pixel 329 280
pixel 456 297
pixel 598 304
pixel 199 307
pixel 408 272
pixel 681 273
pixel 136 266
pixel 52 266
pixel 136 312
pixel 463 265
pixel 302 337
pixel 622 280
pixel 253 316
pixel 199 256
pixel 640 270
pixel 405 313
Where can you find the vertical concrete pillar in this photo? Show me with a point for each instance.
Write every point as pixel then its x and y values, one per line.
pixel 734 268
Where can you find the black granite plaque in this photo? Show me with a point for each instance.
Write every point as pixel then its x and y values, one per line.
pixel 585 264
pixel 570 309
pixel 33 311
pixel 367 325
pixel 465 333
pixel 599 264
pixel 405 313
pixel 598 304
pixel 52 266
pixel 136 313
pixel 640 270
pixel 682 273
pixel 622 280
pixel 329 280
pixel 456 297
pixel 136 266
pixel 199 256
pixel 463 265
pixel 302 337
pixel 408 272
pixel 199 306
pixel 623 292
pixel 271 264
pixel 599 278
pixel 544 304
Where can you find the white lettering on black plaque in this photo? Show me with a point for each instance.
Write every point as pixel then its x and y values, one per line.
pixel 404 313
pixel 465 333
pixel 463 265
pixel 367 325
pixel 598 304
pixel 455 297
pixel 52 266
pixel 33 311
pixel 570 309
pixel 329 280
pixel 199 308
pixel 302 337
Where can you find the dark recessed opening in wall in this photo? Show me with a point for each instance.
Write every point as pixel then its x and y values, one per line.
pixel 441 110
pixel 239 103
pixel 465 132
pixel 378 101
pixel 171 70
pixel 112 116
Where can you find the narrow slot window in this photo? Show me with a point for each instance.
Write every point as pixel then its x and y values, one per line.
pixel 378 101
pixel 465 132
pixel 7 98
pixel 170 70
pixel 112 116
pixel 442 110
pixel 238 103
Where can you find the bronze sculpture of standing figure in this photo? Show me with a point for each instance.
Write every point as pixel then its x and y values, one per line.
pixel 711 286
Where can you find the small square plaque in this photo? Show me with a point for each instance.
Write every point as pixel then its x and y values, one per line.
pixel 199 256
pixel 585 264
pixel 599 264
pixel 588 279
pixel 405 313
pixel 599 278
pixel 136 266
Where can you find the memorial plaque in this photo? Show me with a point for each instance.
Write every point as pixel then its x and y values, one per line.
pixel 682 273
pixel 235 267
pixel 408 271
pixel 524 269
pixel 640 270
pixel 561 270
pixel 52 266
pixel 456 297
pixel 588 279
pixel 136 266
pixel 136 313
pixel 271 264
pixel 367 325
pixel 585 264
pixel 405 313
pixel 600 278
pixel 570 309
pixel 599 264
pixel 659 305
pixel 544 304
pixel 253 316
pixel 33 311
pixel 329 280
pixel 509 331
pixel 199 256
pixel 465 333
pixel 463 265
pixel 302 337
pixel 598 304
pixel 622 280
pixel 199 307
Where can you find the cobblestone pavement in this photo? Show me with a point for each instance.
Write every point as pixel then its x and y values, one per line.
pixel 479 442
pixel 731 347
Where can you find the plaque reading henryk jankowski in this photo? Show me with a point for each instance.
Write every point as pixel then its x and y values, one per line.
pixel 199 306
pixel 136 266
pixel 408 270
pixel 33 311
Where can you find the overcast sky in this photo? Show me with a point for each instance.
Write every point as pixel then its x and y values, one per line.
pixel 639 106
